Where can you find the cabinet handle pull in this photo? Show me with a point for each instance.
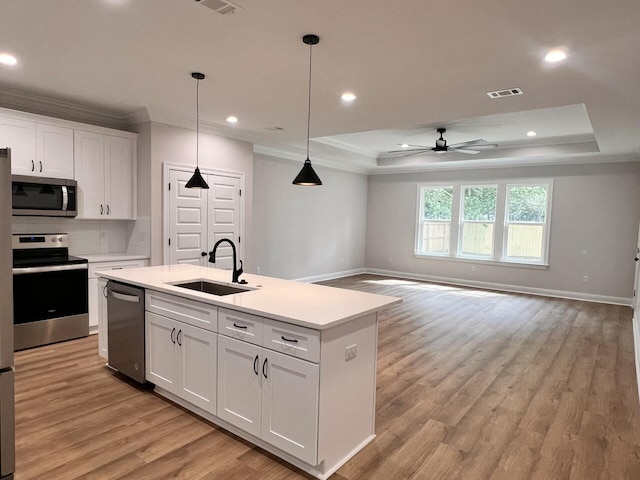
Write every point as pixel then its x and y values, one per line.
pixel 40 162
pixel 292 340
pixel 172 332
pixel 244 327
pixel 178 337
pixel 33 166
pixel 108 210
pixel 101 210
pixel 264 368
pixel 255 365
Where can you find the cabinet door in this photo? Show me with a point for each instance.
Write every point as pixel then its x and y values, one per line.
pixel 89 169
pixel 103 344
pixel 161 356
pixel 93 303
pixel 20 136
pixel 199 359
pixel 54 151
pixel 119 177
pixel 239 384
pixel 290 389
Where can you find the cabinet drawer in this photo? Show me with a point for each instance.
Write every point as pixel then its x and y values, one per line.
pixel 243 326
pixel 194 313
pixel 106 266
pixel 292 340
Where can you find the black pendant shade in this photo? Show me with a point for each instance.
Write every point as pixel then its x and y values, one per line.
pixel 196 180
pixel 307 176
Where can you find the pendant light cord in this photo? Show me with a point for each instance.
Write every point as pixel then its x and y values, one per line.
pixel 309 104
pixel 197 122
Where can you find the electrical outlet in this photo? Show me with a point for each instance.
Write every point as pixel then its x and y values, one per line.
pixel 258 270
pixel 473 268
pixel 351 351
pixel 585 279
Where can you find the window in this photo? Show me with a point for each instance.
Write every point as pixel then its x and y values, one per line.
pixel 435 224
pixel 503 222
pixel 478 219
pixel 525 224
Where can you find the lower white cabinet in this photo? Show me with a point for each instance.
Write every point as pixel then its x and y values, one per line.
pixel 103 340
pixel 269 395
pixel 182 359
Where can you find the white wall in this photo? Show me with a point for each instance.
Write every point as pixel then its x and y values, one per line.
pixel 595 208
pixel 302 232
pixel 177 145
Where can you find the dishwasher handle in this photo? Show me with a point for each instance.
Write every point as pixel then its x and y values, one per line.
pixel 123 296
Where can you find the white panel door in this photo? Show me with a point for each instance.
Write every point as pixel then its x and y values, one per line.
pixel 199 352
pixel 239 385
pixel 224 217
pixel 290 393
pixel 161 355
pixel 187 221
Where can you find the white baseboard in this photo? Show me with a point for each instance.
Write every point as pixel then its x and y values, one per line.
pixel 636 346
pixel 331 276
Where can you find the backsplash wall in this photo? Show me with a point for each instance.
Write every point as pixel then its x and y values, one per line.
pixel 91 237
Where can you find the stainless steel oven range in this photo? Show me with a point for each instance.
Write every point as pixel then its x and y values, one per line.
pixel 50 290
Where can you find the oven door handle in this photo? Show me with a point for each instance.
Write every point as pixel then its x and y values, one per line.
pixel 50 268
pixel 123 296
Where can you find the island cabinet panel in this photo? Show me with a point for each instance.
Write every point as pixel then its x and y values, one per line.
pixel 198 314
pixel 241 326
pixel 239 385
pixel 290 405
pixel 182 359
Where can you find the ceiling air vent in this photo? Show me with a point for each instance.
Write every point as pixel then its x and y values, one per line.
pixel 510 92
pixel 223 7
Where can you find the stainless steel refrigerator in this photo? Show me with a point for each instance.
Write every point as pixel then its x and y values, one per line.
pixel 7 413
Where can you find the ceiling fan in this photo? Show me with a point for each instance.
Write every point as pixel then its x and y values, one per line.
pixel 471 147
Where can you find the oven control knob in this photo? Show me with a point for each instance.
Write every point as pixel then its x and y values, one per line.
pixel 60 239
pixel 53 239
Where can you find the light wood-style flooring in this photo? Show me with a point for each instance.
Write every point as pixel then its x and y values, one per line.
pixel 471 385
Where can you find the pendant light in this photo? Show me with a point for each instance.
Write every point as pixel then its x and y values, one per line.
pixel 307 176
pixel 196 180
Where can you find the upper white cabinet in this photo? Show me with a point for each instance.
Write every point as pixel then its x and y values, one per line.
pixel 38 149
pixel 105 170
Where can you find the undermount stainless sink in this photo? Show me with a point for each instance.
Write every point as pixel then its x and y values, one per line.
pixel 211 288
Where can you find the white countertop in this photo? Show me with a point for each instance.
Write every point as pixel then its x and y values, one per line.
pixel 315 306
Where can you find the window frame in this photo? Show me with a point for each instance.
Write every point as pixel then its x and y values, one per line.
pixel 500 224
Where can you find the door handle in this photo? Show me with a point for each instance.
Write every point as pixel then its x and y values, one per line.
pixel 264 368
pixel 173 330
pixel 255 365
pixel 178 337
pixel 203 254
pixel 636 259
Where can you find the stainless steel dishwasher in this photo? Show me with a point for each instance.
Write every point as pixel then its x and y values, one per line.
pixel 125 329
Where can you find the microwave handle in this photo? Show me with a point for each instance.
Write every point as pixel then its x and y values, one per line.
pixel 65 198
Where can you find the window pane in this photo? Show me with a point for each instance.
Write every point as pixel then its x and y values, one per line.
pixel 480 203
pixel 527 203
pixel 435 236
pixel 436 223
pixel 477 238
pixel 524 241
pixel 437 203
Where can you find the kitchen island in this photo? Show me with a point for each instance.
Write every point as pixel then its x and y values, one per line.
pixel 288 366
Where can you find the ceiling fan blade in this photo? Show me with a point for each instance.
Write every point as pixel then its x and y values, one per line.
pixel 411 150
pixel 477 141
pixel 464 150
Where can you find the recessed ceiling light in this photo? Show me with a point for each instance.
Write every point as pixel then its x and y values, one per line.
pixel 531 133
pixel 348 97
pixel 555 56
pixel 8 59
pixel 232 119
pixel 404 145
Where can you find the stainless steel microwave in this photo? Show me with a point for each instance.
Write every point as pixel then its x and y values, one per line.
pixel 45 197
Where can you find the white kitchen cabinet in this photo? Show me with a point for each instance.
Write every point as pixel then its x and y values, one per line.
pixel 182 359
pixel 105 170
pixel 38 149
pixel 269 395
pixel 103 334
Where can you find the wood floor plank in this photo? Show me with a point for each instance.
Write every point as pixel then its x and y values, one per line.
pixel 471 384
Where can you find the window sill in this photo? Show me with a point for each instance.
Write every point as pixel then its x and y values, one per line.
pixel 480 260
